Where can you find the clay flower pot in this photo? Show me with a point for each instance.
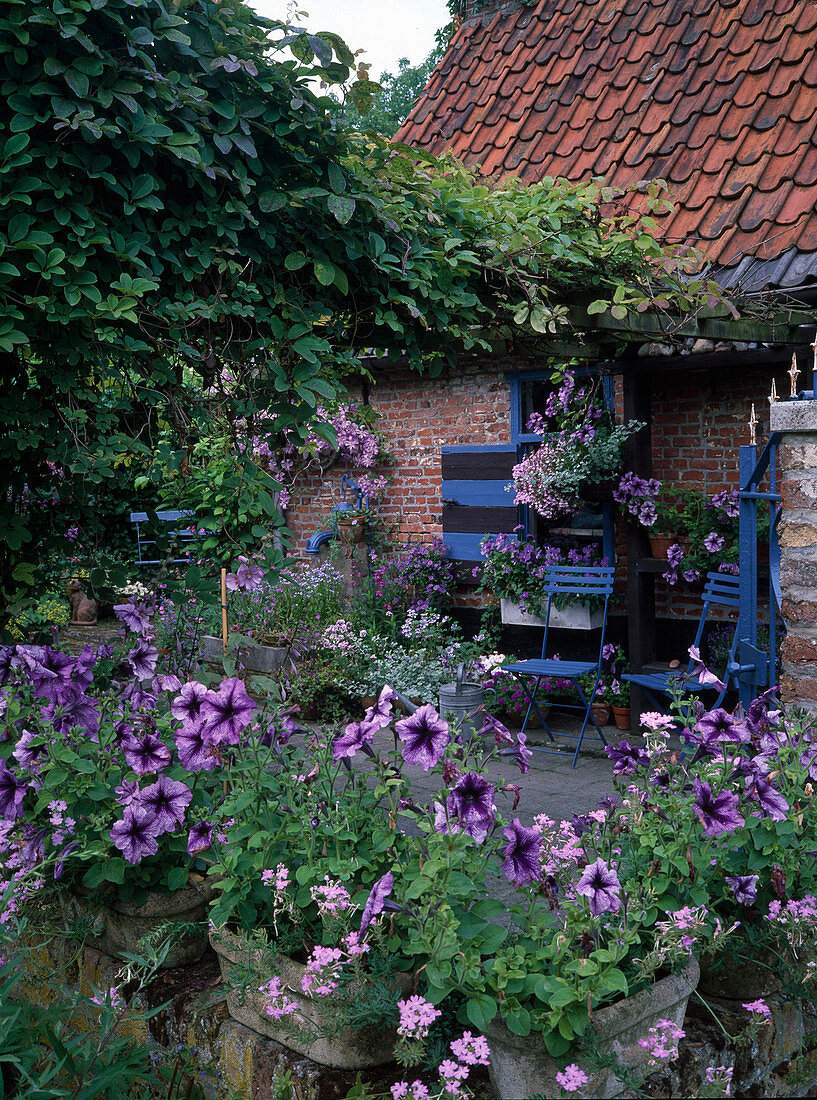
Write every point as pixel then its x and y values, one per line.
pixel 621 717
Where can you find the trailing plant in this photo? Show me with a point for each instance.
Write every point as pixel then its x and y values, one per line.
pixel 515 568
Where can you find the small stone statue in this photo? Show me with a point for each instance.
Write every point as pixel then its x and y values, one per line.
pixel 84 610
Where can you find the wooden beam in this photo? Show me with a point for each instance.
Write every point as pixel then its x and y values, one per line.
pixel 708 360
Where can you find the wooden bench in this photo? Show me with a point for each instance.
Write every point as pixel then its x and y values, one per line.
pixel 177 536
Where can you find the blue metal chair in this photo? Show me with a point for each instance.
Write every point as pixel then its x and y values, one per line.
pixel 578 581
pixel 720 590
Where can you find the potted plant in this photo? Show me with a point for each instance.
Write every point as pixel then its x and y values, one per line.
pixel 515 570
pixel 351 524
pixel 582 446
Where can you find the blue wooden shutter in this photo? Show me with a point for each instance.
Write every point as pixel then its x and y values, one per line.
pixel 476 502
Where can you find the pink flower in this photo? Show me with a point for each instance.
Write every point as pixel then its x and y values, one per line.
pixel 416 1016
pixel 758 1008
pixel 472 1051
pixel 571 1079
pixel 277 1004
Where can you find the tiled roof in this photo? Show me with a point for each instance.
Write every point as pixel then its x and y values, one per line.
pixel 717 97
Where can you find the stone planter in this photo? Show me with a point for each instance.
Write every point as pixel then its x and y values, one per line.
pixel 577 616
pixel 119 927
pixel 308 1031
pixel 255 658
pixel 521 1066
pixel 731 979
pixel 621 717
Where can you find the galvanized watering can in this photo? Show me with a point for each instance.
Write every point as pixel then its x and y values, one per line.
pixel 463 705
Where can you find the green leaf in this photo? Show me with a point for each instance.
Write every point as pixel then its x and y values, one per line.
pixel 295 261
pixel 480 1010
pixel 324 272
pixel 177 877
pixel 342 207
pixel 337 179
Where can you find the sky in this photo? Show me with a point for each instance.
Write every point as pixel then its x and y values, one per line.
pixel 386 29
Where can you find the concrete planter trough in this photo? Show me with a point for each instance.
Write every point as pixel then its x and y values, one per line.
pixel 265 659
pixel 577 616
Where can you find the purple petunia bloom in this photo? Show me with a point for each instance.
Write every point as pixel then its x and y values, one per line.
pixel 523 854
pixel 771 800
pixel 195 749
pixel 701 673
pixel 718 726
pixel 491 726
pixel 376 900
pixel 167 799
pixel 599 884
pixel 200 838
pixel 278 732
pixel 147 753
pixel 227 712
pixel 743 887
pixel 135 835
pixel 353 738
pixel 187 704
pixel 520 752
pixel 380 714
pixel 75 709
pixel 627 758
pixel 143 659
pixel 471 805
pixel 713 542
pixel 128 792
pixel 27 755
pixel 135 617
pixel 12 793
pixel 717 813
pixel 167 682
pixel 424 735
pixel 49 671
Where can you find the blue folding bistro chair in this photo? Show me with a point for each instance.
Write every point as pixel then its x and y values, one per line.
pixel 567 580
pixel 720 590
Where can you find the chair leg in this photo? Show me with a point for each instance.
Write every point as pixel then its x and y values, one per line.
pixel 588 716
pixel 532 705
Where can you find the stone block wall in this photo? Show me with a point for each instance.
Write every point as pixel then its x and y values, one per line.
pixel 797 481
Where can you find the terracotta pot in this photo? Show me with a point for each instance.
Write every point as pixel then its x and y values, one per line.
pixel 660 544
pixel 601 712
pixel 621 717
pixel 521 1066
pixel 351 532
pixel 308 1031
pixel 119 927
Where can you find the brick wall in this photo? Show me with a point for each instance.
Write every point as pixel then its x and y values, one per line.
pixel 699 420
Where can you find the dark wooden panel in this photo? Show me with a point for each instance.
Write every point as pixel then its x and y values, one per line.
pixel 457 517
pixel 478 465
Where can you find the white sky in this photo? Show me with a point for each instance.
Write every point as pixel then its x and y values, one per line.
pixel 386 29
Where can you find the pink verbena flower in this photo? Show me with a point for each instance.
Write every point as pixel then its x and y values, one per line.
pixel 571 1079
pixel 332 898
pixel 662 1042
pixel 471 1050
pixel 452 1075
pixel 416 1017
pixel 278 879
pixel 758 1008
pixel 277 1004
pixel 322 970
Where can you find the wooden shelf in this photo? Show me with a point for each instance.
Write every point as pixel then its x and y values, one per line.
pixel 585 532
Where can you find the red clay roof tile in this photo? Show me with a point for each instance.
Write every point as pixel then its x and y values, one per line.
pixel 717 96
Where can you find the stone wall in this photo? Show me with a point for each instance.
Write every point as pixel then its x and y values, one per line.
pixel 797 481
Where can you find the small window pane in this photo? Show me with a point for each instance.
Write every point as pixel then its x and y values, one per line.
pixel 533 398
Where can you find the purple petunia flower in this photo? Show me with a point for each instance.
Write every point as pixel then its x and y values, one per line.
pixel 135 835
pixel 380 714
pixel 135 616
pixel 147 753
pixel 523 854
pixel 743 887
pixel 49 671
pixel 701 673
pixel 771 800
pixel 713 542
pixel 75 709
pixel 27 755
pixel 520 752
pixel 599 884
pixel 227 712
pixel 167 799
pixel 353 738
pixel 626 758
pixel 128 792
pixel 717 726
pixel 187 704
pixel 12 792
pixel 424 735
pixel 376 900
pixel 278 732
pixel 491 726
pixel 168 682
pixel 195 749
pixel 200 838
pixel 717 813
pixel 143 659
pixel 471 805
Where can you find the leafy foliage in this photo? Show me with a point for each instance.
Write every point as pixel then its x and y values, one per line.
pixel 393 96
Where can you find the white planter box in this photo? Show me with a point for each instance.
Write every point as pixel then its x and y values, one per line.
pixel 577 616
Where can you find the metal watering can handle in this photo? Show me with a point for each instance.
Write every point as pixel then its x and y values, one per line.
pixel 460 677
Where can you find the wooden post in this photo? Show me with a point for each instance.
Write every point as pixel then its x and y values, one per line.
pixel 224 608
pixel 640 584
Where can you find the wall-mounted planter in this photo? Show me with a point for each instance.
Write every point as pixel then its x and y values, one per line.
pixel 577 616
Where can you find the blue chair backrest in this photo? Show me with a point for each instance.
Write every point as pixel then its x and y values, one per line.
pixel 579 580
pixel 720 590
pixel 184 535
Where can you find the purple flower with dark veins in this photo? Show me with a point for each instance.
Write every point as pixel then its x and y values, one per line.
pixel 627 758
pixel 701 673
pixel 168 682
pixel 599 884
pixel 713 542
pixel 127 792
pixel 135 835
pixel 523 854
pixel 470 804
pixel 75 709
pixel 12 793
pixel 246 577
pixel 26 754
pixel 771 800
pixel 718 726
pixel 279 731
pixel 200 838
pixel 353 738
pixel 167 799
pixel 424 735
pixel 187 704
pixel 743 887
pixel 195 748
pixel 380 714
pixel 376 900
pixel 7 655
pixel 49 671
pixel 135 616
pixel 84 666
pixel 227 712
pixel 143 659
pixel 717 813
pixel 147 753
pixel 492 727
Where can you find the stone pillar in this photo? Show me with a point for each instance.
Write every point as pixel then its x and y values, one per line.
pixel 797 483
